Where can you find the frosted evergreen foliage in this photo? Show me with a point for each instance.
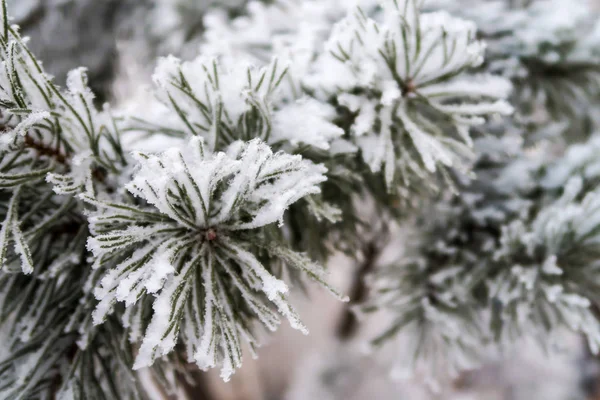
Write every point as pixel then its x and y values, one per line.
pixel 136 242
pixel 57 124
pixel 224 103
pixel 436 334
pixel 295 31
pixel 524 233
pixel 291 29
pixel 402 77
pixel 581 159
pixel 513 27
pixel 51 134
pixel 548 279
pixel 549 49
pixel 430 287
pixel 192 247
pixel 569 31
pixel 558 65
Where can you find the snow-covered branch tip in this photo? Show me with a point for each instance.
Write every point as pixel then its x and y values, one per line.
pixel 403 76
pixel 225 102
pixel 195 247
pixel 550 269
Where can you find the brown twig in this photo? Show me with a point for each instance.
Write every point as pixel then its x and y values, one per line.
pixel 46 150
pixel 348 325
pixel 200 389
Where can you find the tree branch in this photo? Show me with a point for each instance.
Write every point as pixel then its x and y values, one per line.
pixel 348 324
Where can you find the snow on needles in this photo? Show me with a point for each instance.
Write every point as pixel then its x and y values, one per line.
pixel 403 74
pixel 224 102
pixel 189 246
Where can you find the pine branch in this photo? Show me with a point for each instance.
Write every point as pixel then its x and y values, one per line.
pixel 269 163
pixel 201 244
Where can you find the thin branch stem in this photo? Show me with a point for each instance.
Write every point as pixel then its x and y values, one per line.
pixel 46 150
pixel 348 325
